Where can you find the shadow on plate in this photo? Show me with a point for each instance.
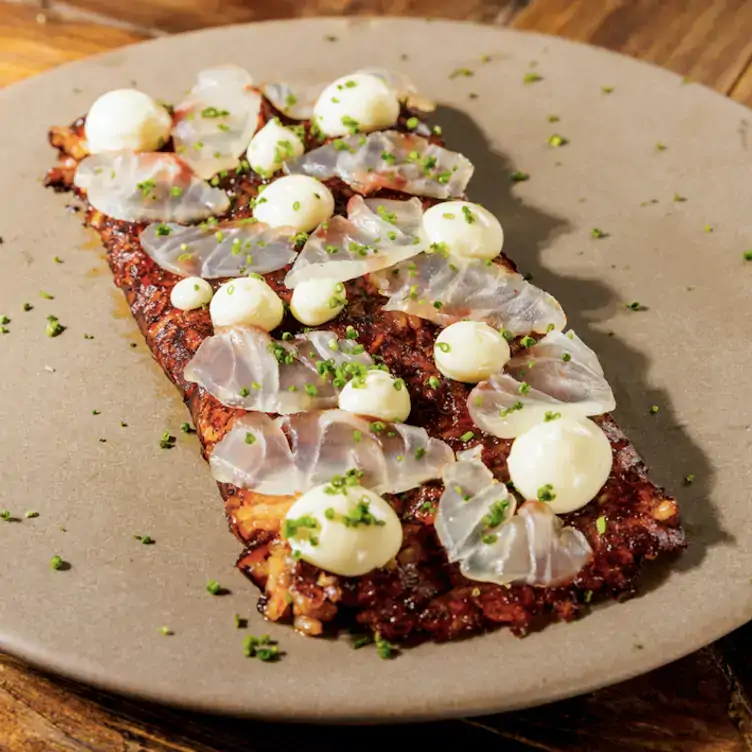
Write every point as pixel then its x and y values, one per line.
pixel 587 301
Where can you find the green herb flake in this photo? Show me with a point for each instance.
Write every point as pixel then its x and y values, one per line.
pixel 467 436
pixel 166 631
pixel 527 341
pixel 385 649
pixel 546 493
pixel 556 140
pixel 654 409
pixel 54 328
pixel 167 441
pixel 531 78
pixel 607 89
pixel 162 229
pixel 412 123
pixel 213 587
pixel 660 146
pixel 524 388
pixel 747 255
pixel 263 648
pixel 56 562
pixel 506 411
pixel 553 118
pixel 433 382
pixel 5 515
pixel 549 416
pixel 634 305
pixel 443 346
pixel 57 259
pixel 187 428
pixel 497 511
pixel 519 176
pixel 598 233
pixel 28 307
pixel 464 72
pixel 600 525
pixel 31 514
pixel 46 295
pixel 689 479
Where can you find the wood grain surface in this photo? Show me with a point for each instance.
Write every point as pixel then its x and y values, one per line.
pixel 698 704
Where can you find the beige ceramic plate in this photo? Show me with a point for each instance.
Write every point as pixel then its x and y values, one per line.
pixel 689 353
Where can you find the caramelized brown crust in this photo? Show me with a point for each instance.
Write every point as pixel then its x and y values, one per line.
pixel 419 595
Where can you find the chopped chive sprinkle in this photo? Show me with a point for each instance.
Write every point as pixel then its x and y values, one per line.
pixel 457 72
pixel 531 78
pixel 556 140
pixel 166 631
pixel 412 123
pixel 689 479
pixel 167 441
pixel 634 305
pixel 31 514
pixel 546 493
pixel 213 587
pixel 467 436
pixel 519 176
pixel 600 525
pixel 46 295
pixel 186 428
pixel 598 233
pixel 56 562
pixel 433 382
pixel 654 409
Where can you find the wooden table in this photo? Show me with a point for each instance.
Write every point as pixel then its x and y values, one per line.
pixel 700 703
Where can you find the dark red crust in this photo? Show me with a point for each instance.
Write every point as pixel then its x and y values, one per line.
pixel 419 596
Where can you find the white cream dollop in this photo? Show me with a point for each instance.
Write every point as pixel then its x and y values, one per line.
pixel 357 103
pixel 564 462
pixel 466 229
pixel 470 351
pixel 247 301
pixel 126 119
pixel 297 201
pixel 378 395
pixel 190 293
pixel 273 145
pixel 315 301
pixel 349 532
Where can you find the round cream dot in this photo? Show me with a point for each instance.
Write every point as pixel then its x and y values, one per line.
pixel 564 462
pixel 190 293
pixel 465 229
pixel 470 351
pixel 316 301
pixel 378 395
pixel 247 301
pixel 297 201
pixel 273 145
pixel 349 532
pixel 126 119
pixel 358 103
